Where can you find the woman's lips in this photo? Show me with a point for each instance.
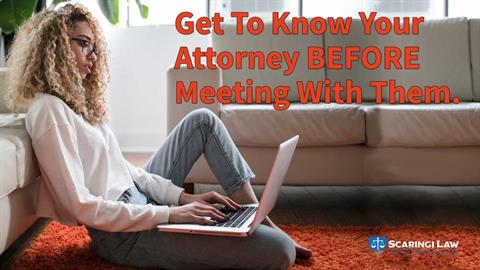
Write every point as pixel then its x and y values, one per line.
pixel 88 69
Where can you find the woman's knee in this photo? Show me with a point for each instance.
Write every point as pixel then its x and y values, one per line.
pixel 280 250
pixel 283 256
pixel 202 115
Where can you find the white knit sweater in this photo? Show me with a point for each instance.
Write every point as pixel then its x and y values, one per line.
pixel 83 172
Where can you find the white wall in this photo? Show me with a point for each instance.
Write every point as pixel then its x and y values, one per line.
pixel 140 57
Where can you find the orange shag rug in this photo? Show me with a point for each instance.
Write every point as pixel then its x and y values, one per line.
pixel 335 247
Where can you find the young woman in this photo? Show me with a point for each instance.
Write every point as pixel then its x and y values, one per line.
pixel 59 72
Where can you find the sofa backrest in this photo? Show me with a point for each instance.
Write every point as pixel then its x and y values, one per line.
pixel 444 58
pixel 475 56
pixel 268 42
pixel 3 90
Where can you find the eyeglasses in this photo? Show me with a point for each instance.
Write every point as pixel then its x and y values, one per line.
pixel 87 47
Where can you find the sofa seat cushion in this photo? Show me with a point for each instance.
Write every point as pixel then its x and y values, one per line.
pixel 25 163
pixel 317 124
pixel 432 125
pixel 8 172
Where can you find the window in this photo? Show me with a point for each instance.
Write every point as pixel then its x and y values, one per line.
pixel 464 8
pixel 259 8
pixel 93 8
pixel 390 8
pixel 164 12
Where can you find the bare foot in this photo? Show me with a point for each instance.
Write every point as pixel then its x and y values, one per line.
pixel 245 195
pixel 302 252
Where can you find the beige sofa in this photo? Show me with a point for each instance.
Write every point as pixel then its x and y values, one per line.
pixel 18 169
pixel 357 144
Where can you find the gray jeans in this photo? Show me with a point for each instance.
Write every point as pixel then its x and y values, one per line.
pixel 201 131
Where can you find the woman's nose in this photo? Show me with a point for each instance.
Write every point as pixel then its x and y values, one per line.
pixel 92 57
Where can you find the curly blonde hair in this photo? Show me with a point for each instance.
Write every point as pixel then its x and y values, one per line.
pixel 41 60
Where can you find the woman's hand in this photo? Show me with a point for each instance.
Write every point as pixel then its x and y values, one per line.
pixel 198 208
pixel 211 197
pixel 195 212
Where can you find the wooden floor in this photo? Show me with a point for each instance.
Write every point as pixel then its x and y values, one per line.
pixel 332 205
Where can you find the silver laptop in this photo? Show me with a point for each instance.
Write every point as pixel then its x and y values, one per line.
pixel 244 222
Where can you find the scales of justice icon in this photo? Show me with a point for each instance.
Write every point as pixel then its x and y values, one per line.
pixel 377 244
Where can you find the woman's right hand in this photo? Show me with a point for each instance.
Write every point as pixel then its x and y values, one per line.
pixel 197 213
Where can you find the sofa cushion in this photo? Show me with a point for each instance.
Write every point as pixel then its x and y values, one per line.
pixel 444 58
pixel 423 125
pixel 26 165
pixel 317 124
pixel 474 27
pixel 8 172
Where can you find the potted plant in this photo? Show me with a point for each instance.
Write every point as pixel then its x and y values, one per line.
pixel 13 14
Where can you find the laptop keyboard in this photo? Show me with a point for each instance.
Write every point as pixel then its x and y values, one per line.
pixel 238 218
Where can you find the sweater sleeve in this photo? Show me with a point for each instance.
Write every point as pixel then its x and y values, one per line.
pixel 162 190
pixel 61 167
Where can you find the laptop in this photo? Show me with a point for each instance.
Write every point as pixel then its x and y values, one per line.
pixel 244 222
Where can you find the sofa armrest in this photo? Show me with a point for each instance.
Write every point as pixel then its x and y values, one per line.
pixel 175 112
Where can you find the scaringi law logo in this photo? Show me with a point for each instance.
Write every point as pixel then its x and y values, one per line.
pixel 377 243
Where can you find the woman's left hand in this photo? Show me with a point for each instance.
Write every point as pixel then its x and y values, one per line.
pixel 211 197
